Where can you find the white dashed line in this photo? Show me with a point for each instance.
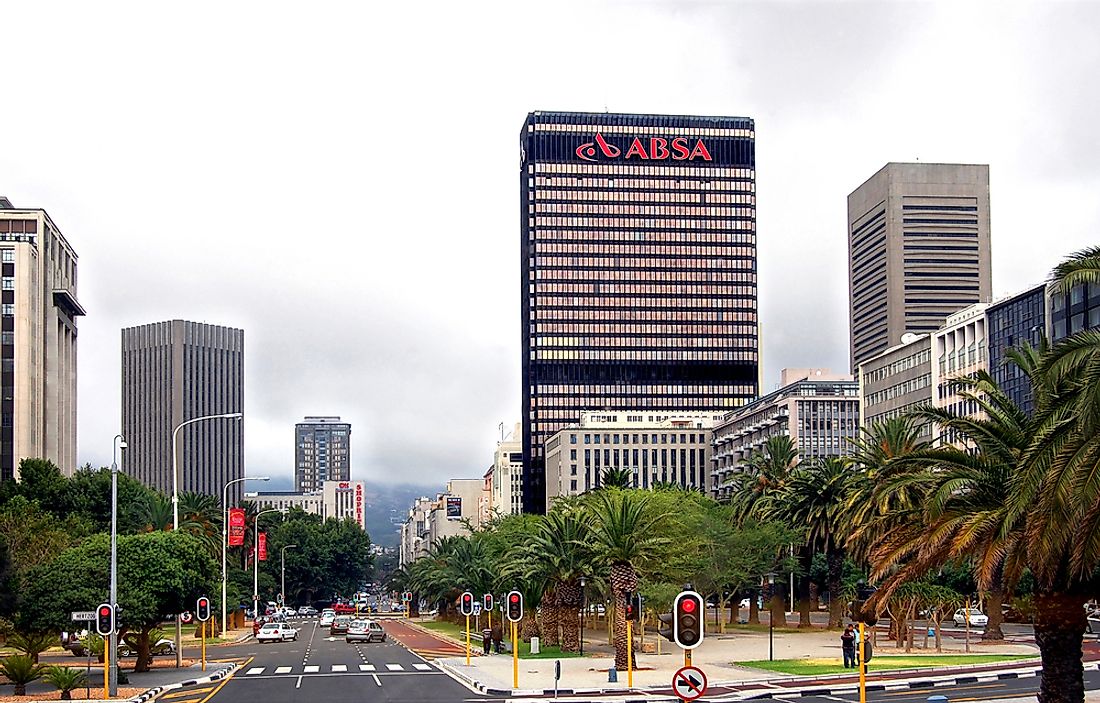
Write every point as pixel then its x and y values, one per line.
pixel 395 667
pixel 366 667
pixel 312 669
pixel 255 671
pixel 422 667
pixel 282 670
pixel 339 667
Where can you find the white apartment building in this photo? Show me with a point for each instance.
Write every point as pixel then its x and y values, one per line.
pixel 342 500
pixel 655 447
pixel 959 349
pixel 430 520
pixel 507 480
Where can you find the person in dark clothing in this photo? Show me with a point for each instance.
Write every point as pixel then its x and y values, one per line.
pixel 498 638
pixel 848 646
pixel 486 639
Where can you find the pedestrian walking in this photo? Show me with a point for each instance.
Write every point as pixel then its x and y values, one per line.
pixel 498 638
pixel 486 639
pixel 848 646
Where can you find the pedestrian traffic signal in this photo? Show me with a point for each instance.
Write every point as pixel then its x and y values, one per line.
pixel 688 609
pixel 860 611
pixel 667 626
pixel 105 619
pixel 487 602
pixel 466 604
pixel 515 606
pixel 202 609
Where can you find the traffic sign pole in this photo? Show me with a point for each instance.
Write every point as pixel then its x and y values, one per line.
pixel 689 684
pixel 862 668
pixel 467 640
pixel 515 659
pixel 106 667
pixel 629 655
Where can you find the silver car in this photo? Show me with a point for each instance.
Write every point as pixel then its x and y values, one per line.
pixel 365 631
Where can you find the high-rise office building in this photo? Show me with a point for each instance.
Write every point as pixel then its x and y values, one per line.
pixel 638 279
pixel 173 372
pixel 918 250
pixel 322 452
pixel 38 311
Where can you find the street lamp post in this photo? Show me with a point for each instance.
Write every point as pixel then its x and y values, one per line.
pixel 584 610
pixel 176 506
pixel 112 644
pixel 282 571
pixel 225 535
pixel 256 560
pixel 771 617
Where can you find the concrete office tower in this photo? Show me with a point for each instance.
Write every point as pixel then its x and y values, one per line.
pixel 638 270
pixel 322 452
pixel 176 371
pixel 38 346
pixel 918 250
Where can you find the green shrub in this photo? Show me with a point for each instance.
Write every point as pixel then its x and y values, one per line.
pixel 33 643
pixel 20 669
pixel 64 679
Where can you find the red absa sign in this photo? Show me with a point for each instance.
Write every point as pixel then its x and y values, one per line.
pixel 651 149
pixel 263 546
pixel 236 527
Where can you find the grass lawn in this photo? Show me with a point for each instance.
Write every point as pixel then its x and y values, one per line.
pixel 815 667
pixel 459 632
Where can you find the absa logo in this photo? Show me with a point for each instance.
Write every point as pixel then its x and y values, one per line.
pixel 659 149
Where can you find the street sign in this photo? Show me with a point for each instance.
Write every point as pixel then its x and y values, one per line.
pixel 477 608
pixel 689 683
pixel 84 615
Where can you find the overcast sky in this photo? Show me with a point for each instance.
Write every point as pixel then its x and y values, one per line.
pixel 341 180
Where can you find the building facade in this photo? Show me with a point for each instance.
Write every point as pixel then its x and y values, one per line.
pixel 414 531
pixel 447 515
pixel 1072 311
pixel 507 483
pixel 1013 321
pixel 638 270
pixel 312 502
pixel 38 311
pixel 960 349
pixel 340 500
pixel 818 410
pixel 897 381
pixel 322 452
pixel 653 448
pixel 173 372
pixel 918 250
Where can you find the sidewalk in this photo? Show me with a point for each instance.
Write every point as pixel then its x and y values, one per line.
pixel 715 658
pixel 142 686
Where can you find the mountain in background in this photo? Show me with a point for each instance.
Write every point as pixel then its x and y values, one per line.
pixel 388 506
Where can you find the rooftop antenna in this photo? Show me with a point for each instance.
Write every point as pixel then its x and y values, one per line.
pixel 502 432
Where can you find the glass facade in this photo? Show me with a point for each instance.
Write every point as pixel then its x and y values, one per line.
pixel 638 269
pixel 1021 318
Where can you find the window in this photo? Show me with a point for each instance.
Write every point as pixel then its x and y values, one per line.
pixel 9 310
pixel 8 283
pixel 7 337
pixel 9 256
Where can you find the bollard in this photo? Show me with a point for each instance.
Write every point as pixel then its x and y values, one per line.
pixel 535 645
pixel 612 675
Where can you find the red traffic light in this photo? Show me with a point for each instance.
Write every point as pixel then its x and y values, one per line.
pixel 688 605
pixel 515 598
pixel 105 611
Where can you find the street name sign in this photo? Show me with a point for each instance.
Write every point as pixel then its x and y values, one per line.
pixel 84 615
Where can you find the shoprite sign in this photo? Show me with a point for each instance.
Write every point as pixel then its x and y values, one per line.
pixel 652 149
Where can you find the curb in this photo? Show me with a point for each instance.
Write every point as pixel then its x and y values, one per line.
pixel 910 684
pixel 157 690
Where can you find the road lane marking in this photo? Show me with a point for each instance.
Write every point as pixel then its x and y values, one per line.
pixel 224 681
pixel 188 693
pixel 339 667
pixel 377 680
pixel 299 684
pixel 254 671
pixel 422 667
pixel 311 669
pixel 395 667
pixel 282 670
pixel 366 667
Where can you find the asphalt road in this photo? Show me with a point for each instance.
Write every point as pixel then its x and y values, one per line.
pixel 318 668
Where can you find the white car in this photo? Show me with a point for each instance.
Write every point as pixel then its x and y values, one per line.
pixel 276 632
pixel 327 616
pixel 976 617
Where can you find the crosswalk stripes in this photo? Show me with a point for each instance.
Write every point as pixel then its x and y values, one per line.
pixel 366 667
pixel 282 670
pixel 339 667
pixel 422 667
pixel 395 667
pixel 312 669
pixel 255 671
pixel 335 669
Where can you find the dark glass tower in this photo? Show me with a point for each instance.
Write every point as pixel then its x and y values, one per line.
pixel 1011 323
pixel 638 269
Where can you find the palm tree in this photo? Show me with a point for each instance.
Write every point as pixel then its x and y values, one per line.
pixel 21 670
pixel 625 534
pixel 617 478
pixel 814 497
pixel 156 514
pixel 559 553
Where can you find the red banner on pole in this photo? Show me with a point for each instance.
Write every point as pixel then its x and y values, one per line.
pixel 236 527
pixel 263 546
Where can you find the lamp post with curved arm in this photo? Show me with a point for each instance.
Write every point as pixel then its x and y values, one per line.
pixel 225 534
pixel 176 505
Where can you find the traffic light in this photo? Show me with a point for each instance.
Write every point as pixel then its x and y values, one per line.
pixel 487 602
pixel 466 605
pixel 515 606
pixel 688 623
pixel 202 609
pixel 105 619
pixel 866 615
pixel 633 606
pixel 667 627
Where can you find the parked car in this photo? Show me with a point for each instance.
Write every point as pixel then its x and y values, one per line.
pixel 365 631
pixel 744 604
pixel 307 610
pixel 276 632
pixel 976 617
pixel 339 625
pixel 160 648
pixel 327 616
pixel 288 611
pixel 344 608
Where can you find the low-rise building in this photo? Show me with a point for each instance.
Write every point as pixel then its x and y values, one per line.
pixel 818 410
pixel 507 481
pixel 653 447
pixel 342 500
pixel 448 514
pixel 897 381
pixel 959 350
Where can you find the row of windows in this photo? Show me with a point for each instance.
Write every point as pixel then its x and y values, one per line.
pixel 637 129
pixel 7 256
pixel 604 276
pixel 589 390
pixel 602 251
pixel 633 315
pixel 968 234
pixel 637 170
pixel 702 210
pixel 600 331
pixel 578 305
pixel 941 274
pixel 720 224
pixel 939 220
pixel 634 263
pixel 642 196
pixel 898 390
pixel 635 438
pixel 652 289
pixel 688 239
pixel 694 354
pixel 940 247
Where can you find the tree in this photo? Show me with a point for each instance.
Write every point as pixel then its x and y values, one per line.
pixel 626 534
pixel 21 670
pixel 617 478
pixel 159 574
